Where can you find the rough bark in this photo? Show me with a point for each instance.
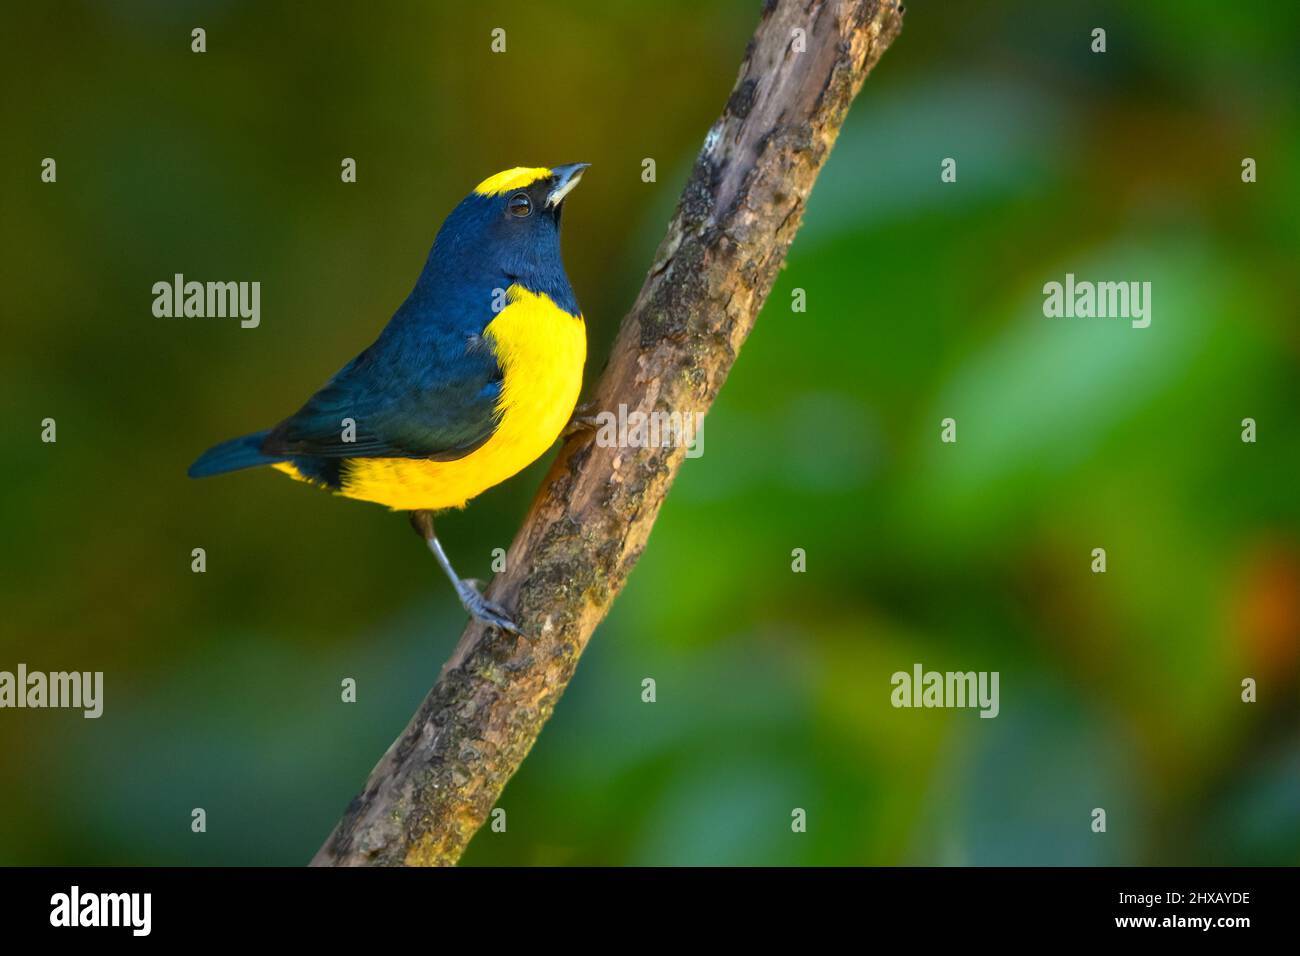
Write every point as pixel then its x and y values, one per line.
pixel 440 779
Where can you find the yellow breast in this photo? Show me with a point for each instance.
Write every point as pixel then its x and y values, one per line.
pixel 541 350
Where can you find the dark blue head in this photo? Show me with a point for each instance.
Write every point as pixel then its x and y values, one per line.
pixel 507 231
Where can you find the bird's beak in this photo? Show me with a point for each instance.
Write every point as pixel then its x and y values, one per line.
pixel 566 177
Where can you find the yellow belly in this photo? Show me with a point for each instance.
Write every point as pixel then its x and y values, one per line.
pixel 541 350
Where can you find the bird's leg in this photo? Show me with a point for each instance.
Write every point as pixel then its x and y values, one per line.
pixel 584 419
pixel 479 607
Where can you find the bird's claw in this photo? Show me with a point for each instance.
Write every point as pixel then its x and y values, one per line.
pixel 481 609
pixel 582 420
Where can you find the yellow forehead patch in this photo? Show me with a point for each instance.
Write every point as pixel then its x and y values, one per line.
pixel 517 178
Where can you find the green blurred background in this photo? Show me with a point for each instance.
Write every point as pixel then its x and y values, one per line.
pixel 1119 690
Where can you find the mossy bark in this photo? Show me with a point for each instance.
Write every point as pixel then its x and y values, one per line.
pixel 440 779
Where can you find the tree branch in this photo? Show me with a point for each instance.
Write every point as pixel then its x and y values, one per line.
pixel 728 239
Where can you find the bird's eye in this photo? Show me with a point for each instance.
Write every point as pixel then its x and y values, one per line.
pixel 520 205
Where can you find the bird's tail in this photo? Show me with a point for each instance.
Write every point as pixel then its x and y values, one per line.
pixel 245 452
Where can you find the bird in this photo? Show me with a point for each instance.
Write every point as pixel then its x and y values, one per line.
pixel 473 378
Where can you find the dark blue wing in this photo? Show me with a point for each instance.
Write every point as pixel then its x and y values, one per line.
pixel 421 391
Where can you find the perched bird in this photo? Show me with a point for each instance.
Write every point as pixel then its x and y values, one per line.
pixel 473 378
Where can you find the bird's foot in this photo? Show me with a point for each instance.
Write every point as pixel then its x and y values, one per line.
pixel 584 419
pixel 481 609
pixel 471 599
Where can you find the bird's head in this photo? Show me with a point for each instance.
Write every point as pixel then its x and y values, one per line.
pixel 509 226
pixel 530 194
